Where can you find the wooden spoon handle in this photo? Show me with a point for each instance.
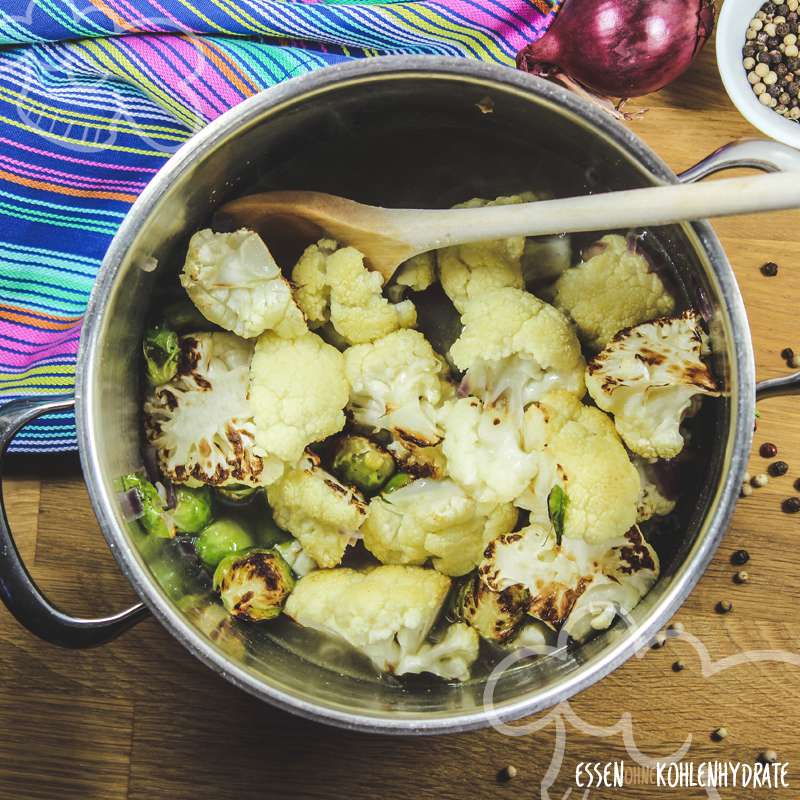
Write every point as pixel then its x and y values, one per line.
pixel 659 205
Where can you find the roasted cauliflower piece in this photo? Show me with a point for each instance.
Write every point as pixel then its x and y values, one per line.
pixel 487 450
pixel 234 282
pixel 574 585
pixel 433 519
pixel 585 458
pixel 611 290
pixel 451 657
pixel 397 383
pixel 418 273
pixel 650 377
pixel 513 345
pixel 653 502
pixel 323 514
pixel 298 391
pixel 333 284
pixel 470 271
pixel 385 613
pixel 201 423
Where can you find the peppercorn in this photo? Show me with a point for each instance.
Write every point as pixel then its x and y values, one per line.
pixel 787 353
pixel 659 640
pixel 740 557
pixel 759 481
pixel 507 773
pixel 781 70
pixel 778 468
pixel 797 484
pixel 741 577
pixel 746 490
pixel 794 363
pixel 767 757
pixel 782 9
pixel 678 666
pixel 677 628
pixel 723 607
pixel 791 505
pixel 718 734
pixel 768 450
pixel 768 8
pixel 781 30
pixel 770 269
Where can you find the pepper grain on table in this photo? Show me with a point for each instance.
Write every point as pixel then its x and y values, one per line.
pixel 142 719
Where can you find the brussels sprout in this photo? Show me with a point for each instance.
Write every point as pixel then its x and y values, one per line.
pixel 192 510
pixel 253 586
pixel 183 316
pixel 213 620
pixel 153 518
pixel 359 461
pixel 221 538
pixel 162 351
pixel 397 481
pixel 496 616
pixel 235 494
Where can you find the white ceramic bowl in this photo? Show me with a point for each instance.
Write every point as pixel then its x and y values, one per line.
pixel 731 26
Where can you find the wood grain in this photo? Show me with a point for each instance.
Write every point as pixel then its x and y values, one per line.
pixel 141 719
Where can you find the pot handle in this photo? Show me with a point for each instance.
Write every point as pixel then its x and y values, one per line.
pixel 763 154
pixel 777 387
pixel 17 588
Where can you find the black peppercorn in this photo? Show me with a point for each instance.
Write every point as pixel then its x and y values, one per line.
pixel 793 88
pixel 763 57
pixel 773 42
pixel 797 484
pixel 762 37
pixel 793 64
pixel 749 51
pixel 787 353
pixel 778 468
pixel 781 69
pixel 723 607
pixel 775 56
pixel 791 17
pixel 768 450
pixel 768 8
pixel 781 30
pixel 770 269
pixel 740 557
pixel 782 9
pixel 791 505
pixel 774 91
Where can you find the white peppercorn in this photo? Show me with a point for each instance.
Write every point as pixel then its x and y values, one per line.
pixel 770 79
pixel 794 113
pixel 793 5
pixel 769 29
pixel 746 490
pixel 790 38
pixel 749 63
pixel 760 480
pixel 750 34
pixel 761 93
pixel 756 24
pixel 761 69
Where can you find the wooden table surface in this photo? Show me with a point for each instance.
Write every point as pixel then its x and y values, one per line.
pixel 141 719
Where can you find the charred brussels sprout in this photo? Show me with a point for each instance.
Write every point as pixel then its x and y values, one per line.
pixel 162 352
pixel 192 510
pixel 253 586
pixel 496 616
pixel 182 316
pixel 153 518
pixel 397 481
pixel 222 538
pixel 361 462
pixel 236 494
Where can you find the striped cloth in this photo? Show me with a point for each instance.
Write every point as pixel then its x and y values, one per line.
pixel 95 95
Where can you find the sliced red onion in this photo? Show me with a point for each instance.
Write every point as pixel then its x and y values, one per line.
pixel 169 490
pixel 130 503
pixel 150 458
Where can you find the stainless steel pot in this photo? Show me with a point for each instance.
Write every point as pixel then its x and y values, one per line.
pixel 411 132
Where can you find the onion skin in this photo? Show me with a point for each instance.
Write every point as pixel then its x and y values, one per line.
pixel 621 48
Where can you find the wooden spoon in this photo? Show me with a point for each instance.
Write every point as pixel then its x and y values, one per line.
pixel 388 236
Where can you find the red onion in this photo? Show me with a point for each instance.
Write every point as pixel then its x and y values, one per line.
pixel 130 503
pixel 621 48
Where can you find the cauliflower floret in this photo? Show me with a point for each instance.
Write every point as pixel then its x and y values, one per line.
pixel 584 456
pixel 397 384
pixel 385 613
pixel 292 552
pixel 234 282
pixel 487 451
pixel 323 514
pixel 652 501
pixel 298 391
pixel 433 519
pixel 613 290
pixel 418 273
pixel 649 378
pixel 333 284
pixel 469 271
pixel 313 292
pixel 201 423
pixel 515 345
pixel 575 585
pixel 451 657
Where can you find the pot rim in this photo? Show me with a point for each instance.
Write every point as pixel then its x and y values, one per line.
pixel 720 508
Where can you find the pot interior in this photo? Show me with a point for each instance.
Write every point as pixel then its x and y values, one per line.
pixel 405 139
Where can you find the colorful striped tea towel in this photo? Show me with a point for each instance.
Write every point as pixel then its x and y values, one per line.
pixel 95 95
